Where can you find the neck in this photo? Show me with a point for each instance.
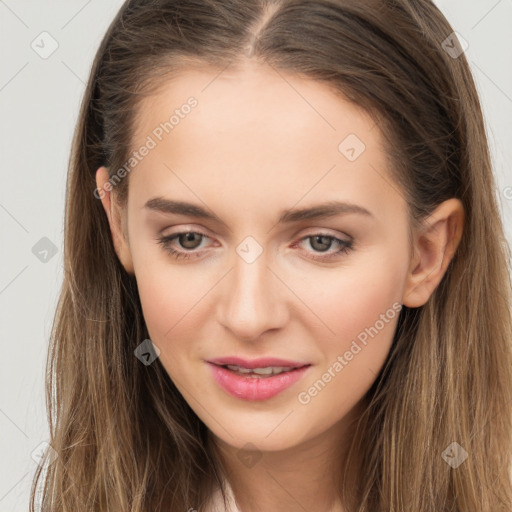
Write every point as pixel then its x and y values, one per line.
pixel 302 477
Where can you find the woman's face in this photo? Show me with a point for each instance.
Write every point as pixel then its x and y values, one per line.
pixel 257 154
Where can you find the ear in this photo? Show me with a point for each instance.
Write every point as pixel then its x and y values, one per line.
pixel 115 219
pixel 434 246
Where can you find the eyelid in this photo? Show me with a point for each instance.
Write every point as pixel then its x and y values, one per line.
pixel 184 228
pixel 326 232
pixel 344 246
pixel 311 231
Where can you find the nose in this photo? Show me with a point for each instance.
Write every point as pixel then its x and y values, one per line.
pixel 253 299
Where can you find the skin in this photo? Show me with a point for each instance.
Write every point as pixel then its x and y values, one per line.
pixel 257 144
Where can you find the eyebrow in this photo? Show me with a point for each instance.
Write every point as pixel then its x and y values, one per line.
pixel 323 210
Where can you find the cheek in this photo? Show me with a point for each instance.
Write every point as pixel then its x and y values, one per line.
pixel 353 297
pixel 167 299
pixel 361 309
pixel 175 304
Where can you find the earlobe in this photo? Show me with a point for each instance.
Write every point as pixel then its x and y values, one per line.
pixel 434 248
pixel 114 217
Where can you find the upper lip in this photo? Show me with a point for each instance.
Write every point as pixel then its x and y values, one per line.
pixel 261 362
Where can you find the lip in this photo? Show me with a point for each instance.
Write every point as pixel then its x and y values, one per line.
pixel 255 388
pixel 261 362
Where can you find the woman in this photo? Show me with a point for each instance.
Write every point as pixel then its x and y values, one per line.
pixel 286 276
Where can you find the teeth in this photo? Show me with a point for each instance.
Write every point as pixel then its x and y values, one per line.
pixel 269 370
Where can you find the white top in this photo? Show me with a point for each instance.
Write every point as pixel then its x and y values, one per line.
pixel 216 503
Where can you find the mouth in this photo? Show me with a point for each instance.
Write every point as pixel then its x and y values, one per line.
pixel 259 373
pixel 256 379
pixel 262 366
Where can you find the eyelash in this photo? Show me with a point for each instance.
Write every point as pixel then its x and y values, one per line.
pixel 345 246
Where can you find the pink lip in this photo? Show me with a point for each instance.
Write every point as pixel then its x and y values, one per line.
pixel 262 362
pixel 255 388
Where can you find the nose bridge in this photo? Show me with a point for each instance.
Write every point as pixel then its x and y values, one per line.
pixel 251 302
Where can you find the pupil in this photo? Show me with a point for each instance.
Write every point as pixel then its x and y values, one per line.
pixel 189 237
pixel 320 238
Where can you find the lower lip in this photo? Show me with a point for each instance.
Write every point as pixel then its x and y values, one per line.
pixel 255 388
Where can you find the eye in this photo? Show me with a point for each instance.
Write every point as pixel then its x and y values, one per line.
pixel 187 239
pixel 322 242
pixel 191 240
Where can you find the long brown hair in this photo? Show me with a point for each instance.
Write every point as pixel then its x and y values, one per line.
pixel 125 437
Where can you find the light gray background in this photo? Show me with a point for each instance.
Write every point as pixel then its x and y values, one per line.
pixel 39 101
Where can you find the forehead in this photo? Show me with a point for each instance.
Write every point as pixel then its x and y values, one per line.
pixel 253 103
pixel 258 131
